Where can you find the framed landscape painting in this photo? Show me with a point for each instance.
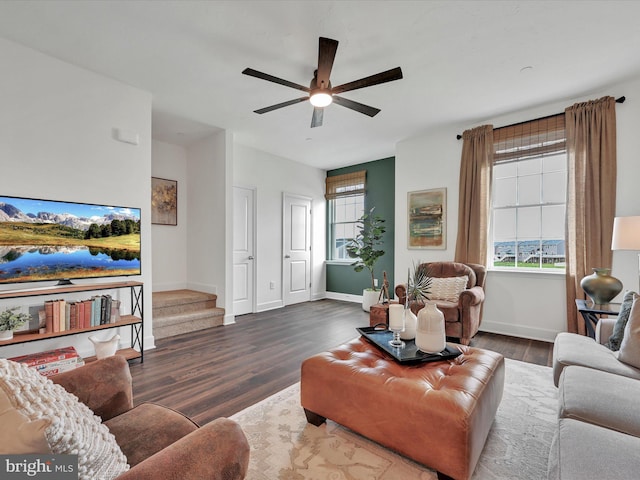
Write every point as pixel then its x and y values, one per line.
pixel 427 219
pixel 164 201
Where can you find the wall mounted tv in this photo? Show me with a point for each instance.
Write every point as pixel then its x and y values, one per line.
pixel 52 240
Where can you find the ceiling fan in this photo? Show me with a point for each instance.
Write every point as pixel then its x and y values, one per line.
pixel 321 93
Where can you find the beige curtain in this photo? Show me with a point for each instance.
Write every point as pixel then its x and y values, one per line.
pixel 591 195
pixel 474 209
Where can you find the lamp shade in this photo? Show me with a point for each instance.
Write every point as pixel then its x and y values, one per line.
pixel 626 233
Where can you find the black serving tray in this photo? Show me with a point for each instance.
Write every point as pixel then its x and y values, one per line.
pixel 407 354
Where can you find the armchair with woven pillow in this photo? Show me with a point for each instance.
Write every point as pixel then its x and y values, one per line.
pixel 458 291
pixel 89 411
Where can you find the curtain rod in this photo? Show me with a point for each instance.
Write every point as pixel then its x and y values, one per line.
pixel 618 100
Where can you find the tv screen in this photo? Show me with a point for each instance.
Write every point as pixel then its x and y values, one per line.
pixel 52 240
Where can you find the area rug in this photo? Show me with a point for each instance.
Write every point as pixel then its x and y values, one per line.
pixel 285 447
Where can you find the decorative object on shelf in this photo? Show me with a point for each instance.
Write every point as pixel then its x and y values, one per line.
pixel 430 333
pixel 626 236
pixel 105 348
pixel 418 288
pixel 384 291
pixel 365 249
pixel 410 324
pixel 396 324
pixel 10 320
pixel 164 201
pixel 601 286
pixel 427 219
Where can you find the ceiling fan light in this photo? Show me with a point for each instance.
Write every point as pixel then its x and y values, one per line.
pixel 320 99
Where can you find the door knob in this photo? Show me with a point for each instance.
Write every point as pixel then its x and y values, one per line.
pixel 250 257
pixel 287 256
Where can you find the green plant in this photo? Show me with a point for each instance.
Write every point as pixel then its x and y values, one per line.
pixel 365 246
pixel 418 286
pixel 9 320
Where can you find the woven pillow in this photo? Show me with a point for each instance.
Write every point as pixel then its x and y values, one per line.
pixel 447 288
pixel 629 352
pixel 73 429
pixel 623 316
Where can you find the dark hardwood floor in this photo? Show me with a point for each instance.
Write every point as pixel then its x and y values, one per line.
pixel 220 371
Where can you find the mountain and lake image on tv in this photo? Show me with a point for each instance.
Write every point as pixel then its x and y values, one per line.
pixel 53 240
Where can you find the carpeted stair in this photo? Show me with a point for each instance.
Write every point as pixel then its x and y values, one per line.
pixel 183 311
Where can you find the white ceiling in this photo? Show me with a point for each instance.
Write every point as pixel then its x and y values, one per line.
pixel 463 62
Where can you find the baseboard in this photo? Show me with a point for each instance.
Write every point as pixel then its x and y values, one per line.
pixel 318 296
pixel 263 307
pixel 202 287
pixel 229 319
pixel 346 297
pixel 522 331
pixel 167 287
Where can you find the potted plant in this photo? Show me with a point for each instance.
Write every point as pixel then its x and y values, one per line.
pixel 365 248
pixel 10 320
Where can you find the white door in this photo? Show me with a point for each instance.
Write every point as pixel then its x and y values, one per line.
pixel 297 249
pixel 243 250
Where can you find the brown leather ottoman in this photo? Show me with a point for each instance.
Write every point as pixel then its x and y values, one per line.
pixel 438 414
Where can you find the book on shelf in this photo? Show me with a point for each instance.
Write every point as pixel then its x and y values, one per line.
pixel 61 315
pixel 62 306
pixel 52 362
pixel 61 368
pixel 48 313
pixel 40 358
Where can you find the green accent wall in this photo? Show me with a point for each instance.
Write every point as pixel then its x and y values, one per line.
pixel 380 193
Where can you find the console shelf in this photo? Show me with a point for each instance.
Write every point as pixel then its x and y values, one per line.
pixel 135 320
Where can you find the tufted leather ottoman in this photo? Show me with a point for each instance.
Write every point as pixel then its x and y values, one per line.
pixel 438 414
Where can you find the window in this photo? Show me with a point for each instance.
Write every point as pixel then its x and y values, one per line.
pixel 345 196
pixel 529 188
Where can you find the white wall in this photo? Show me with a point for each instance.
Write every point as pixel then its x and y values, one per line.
pixel 57 142
pixel 271 176
pixel 170 242
pixel 208 163
pixel 522 304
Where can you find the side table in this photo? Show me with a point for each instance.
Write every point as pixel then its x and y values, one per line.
pixel 591 313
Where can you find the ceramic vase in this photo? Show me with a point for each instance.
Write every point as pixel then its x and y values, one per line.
pixel 601 286
pixel 430 333
pixel 410 325
pixel 105 348
pixel 369 298
pixel 6 335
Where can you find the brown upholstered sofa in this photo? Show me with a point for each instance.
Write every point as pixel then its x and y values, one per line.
pixel 462 318
pixel 157 441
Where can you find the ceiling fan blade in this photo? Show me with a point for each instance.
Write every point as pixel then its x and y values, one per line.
pixel 378 78
pixel 358 107
pixel 270 78
pixel 316 119
pixel 326 56
pixel 281 105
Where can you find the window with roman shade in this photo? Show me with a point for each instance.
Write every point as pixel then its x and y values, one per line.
pixel 345 197
pixel 529 194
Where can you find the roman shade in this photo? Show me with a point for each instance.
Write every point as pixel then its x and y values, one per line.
pixel 345 185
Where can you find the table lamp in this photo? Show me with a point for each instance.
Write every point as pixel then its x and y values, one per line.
pixel 626 236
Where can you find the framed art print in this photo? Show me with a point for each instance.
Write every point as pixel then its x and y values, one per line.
pixel 164 201
pixel 427 219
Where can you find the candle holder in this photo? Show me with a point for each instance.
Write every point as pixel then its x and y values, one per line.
pixel 396 324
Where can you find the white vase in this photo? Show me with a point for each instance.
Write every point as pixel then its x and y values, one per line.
pixel 6 335
pixel 410 324
pixel 369 298
pixel 105 348
pixel 430 333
